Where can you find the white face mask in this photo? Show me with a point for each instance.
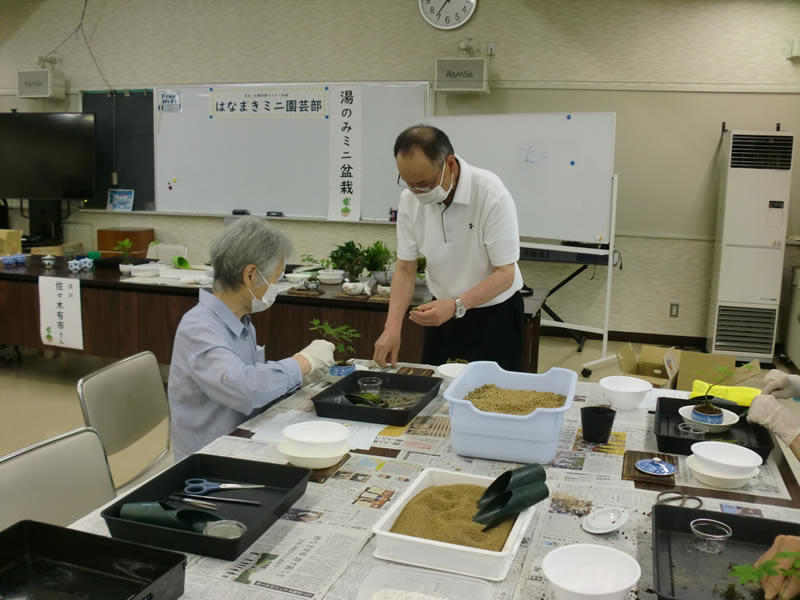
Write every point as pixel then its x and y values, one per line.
pixel 437 194
pixel 267 300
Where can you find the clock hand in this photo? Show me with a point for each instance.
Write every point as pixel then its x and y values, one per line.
pixel 441 9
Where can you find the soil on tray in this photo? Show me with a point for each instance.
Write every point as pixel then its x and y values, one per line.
pixel 490 398
pixel 444 514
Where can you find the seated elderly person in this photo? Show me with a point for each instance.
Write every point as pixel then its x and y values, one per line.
pixel 218 377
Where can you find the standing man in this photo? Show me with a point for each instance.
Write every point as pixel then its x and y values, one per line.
pixel 463 220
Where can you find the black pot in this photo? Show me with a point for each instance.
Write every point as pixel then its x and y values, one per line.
pixel 597 422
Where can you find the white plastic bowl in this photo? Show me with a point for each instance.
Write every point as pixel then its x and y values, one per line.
pixel 296 277
pixel 729 419
pixel 313 461
pixel 726 459
pixel 331 276
pixel 624 393
pixel 450 371
pixel 590 572
pixel 383 277
pixel 315 438
pixel 432 583
pixel 717 480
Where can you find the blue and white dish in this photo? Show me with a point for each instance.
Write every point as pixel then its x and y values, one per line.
pixel 49 261
pixel 655 466
pixel 19 258
pixel 8 260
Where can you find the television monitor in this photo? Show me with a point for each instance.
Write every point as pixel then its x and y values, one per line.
pixel 47 156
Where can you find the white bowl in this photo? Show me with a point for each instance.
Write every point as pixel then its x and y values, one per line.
pixel 331 276
pixel 296 277
pixel 624 393
pixel 717 480
pixel 729 419
pixel 353 288
pixel 313 461
pixel 590 572
pixel 383 277
pixel 726 459
pixel 450 371
pixel 315 438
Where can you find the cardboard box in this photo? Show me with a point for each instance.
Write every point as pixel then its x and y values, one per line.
pixel 659 366
pixel 67 249
pixel 713 368
pixel 10 241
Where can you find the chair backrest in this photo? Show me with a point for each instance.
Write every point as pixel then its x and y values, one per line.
pixel 124 401
pixel 55 481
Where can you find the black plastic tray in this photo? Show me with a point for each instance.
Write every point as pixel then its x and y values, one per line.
pixel 326 407
pixel 681 572
pixel 46 561
pixel 285 484
pixel 754 437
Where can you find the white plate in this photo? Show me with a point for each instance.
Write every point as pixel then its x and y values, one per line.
pixel 718 480
pixel 311 462
pixel 604 520
pixel 729 419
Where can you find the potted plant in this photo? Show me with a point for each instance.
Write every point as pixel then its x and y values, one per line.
pixel 749 577
pixel 342 337
pixel 377 259
pixel 706 411
pixel 349 257
pixel 124 249
pixel 323 268
pixel 422 264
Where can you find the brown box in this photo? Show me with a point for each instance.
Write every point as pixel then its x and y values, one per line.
pixel 10 241
pixel 713 368
pixel 658 366
pixel 68 249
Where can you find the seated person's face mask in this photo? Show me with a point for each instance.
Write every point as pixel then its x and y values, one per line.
pixel 267 300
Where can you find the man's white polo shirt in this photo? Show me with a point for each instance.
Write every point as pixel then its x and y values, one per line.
pixel 465 241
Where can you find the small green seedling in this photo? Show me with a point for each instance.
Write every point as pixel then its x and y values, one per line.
pixel 341 336
pixel 749 574
pixel 124 248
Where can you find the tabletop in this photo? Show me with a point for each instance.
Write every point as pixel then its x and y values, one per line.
pixel 322 547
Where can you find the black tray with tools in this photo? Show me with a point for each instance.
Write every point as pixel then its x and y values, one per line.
pixel 682 572
pixel 38 560
pixel 332 402
pixel 670 440
pixel 284 485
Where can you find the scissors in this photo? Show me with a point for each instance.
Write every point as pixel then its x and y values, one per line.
pixel 676 497
pixel 204 486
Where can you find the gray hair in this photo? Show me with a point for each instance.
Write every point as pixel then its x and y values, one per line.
pixel 248 241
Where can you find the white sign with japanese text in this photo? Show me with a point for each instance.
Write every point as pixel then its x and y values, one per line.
pixel 273 102
pixel 60 312
pixel 344 200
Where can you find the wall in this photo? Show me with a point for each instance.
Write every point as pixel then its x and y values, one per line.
pixel 672 71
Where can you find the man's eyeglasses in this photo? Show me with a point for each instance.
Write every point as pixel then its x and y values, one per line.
pixel 420 188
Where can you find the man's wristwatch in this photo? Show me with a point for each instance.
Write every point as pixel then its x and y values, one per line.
pixel 461 310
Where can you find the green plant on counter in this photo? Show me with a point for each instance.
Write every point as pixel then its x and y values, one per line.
pixel 378 257
pixel 124 249
pixel 349 257
pixel 342 336
pixel 317 263
pixel 422 264
pixel 749 574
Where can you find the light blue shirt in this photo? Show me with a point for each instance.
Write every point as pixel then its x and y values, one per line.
pixel 218 378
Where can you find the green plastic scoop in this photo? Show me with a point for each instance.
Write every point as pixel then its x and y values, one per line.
pixel 180 262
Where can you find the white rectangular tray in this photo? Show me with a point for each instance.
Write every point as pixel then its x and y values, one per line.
pixel 441 556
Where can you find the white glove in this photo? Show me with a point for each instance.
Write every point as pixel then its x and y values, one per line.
pixel 781 385
pixel 768 412
pixel 319 354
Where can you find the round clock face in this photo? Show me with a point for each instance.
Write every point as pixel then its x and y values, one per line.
pixel 447 14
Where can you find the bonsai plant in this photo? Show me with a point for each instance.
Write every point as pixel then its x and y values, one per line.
pixel 349 257
pixel 377 258
pixel 124 249
pixel 749 577
pixel 342 337
pixel 706 411
pixel 422 264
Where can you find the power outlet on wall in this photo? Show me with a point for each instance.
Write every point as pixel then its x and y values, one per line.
pixel 674 308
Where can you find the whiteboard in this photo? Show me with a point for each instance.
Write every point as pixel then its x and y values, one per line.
pixel 206 165
pixel 557 166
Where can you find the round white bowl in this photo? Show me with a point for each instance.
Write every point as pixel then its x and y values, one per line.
pixel 311 461
pixel 729 460
pixel 450 371
pixel 729 419
pixel 331 276
pixel 590 572
pixel 296 277
pixel 624 393
pixel 353 288
pixel 718 480
pixel 383 277
pixel 315 438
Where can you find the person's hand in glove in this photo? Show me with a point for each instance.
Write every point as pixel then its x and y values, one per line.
pixel 781 586
pixel 767 411
pixel 781 385
pixel 318 355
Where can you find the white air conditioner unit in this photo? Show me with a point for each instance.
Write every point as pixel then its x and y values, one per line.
pixel 41 83
pixel 752 217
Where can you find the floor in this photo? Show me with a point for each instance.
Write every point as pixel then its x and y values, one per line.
pixel 38 396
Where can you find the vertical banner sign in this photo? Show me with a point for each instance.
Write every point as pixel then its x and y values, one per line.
pixel 268 102
pixel 346 106
pixel 60 312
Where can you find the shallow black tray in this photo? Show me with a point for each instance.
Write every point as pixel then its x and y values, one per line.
pixel 285 484
pixel 669 439
pixel 326 407
pixel 46 561
pixel 681 572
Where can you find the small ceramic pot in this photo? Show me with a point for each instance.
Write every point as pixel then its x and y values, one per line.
pixel 49 261
pixel 87 264
pixel 384 290
pixel 353 288
pixel 705 418
pixel 125 268
pixel 8 260
pixel 20 259
pixel 341 370
pixel 74 266
pixel 311 284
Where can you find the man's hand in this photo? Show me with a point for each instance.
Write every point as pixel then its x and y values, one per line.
pixel 433 314
pixel 387 345
pixel 778 585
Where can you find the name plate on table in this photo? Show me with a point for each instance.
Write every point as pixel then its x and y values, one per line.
pixel 60 319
